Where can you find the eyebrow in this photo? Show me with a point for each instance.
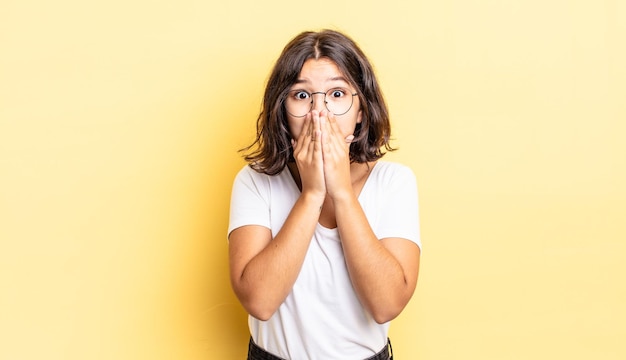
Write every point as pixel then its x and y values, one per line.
pixel 334 78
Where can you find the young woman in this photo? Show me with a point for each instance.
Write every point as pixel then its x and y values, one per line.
pixel 324 242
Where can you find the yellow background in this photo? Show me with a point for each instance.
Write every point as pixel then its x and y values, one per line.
pixel 119 125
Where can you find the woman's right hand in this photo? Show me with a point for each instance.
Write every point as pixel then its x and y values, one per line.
pixel 307 151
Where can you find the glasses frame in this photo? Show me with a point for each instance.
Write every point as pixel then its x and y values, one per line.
pixel 325 102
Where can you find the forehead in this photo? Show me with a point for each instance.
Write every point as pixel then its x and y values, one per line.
pixel 320 71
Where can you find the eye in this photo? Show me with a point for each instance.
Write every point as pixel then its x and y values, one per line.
pixel 300 95
pixel 337 93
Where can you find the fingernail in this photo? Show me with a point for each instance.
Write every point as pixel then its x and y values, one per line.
pixel 349 138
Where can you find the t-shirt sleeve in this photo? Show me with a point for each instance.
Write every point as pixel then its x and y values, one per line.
pixel 249 202
pixel 399 216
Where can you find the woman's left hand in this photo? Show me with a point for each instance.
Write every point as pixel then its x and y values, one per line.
pixel 336 154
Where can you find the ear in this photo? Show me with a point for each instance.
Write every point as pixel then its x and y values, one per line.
pixel 359 116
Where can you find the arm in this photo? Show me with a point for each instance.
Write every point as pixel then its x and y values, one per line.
pixel 263 270
pixel 383 272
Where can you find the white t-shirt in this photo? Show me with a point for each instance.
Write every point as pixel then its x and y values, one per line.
pixel 322 317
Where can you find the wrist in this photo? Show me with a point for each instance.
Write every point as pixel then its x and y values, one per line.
pixel 313 197
pixel 343 196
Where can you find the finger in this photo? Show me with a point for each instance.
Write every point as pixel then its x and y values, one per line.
pixel 323 119
pixel 315 126
pixel 319 118
pixel 300 143
pixel 319 144
pixel 335 130
pixel 313 129
pixel 324 124
pixel 308 136
pixel 335 136
pixel 317 138
pixel 332 124
pixel 336 144
pixel 302 136
pixel 306 126
pixel 315 123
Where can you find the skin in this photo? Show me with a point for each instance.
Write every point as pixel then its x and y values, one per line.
pixel 263 269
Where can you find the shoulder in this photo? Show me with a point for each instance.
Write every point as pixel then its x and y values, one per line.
pixel 247 174
pixel 248 171
pixel 389 172
pixel 392 167
pixel 249 177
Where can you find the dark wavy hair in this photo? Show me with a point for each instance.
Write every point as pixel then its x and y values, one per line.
pixel 271 150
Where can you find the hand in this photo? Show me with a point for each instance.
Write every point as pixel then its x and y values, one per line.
pixel 336 154
pixel 307 151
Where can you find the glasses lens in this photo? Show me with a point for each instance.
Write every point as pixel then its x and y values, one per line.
pixel 338 101
pixel 298 103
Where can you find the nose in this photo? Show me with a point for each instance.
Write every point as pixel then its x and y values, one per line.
pixel 318 102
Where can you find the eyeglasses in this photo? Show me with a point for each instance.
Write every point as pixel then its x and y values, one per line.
pixel 338 101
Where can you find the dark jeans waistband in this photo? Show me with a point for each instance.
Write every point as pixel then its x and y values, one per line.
pixel 256 353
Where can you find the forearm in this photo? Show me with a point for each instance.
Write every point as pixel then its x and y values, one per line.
pixel 268 277
pixel 378 277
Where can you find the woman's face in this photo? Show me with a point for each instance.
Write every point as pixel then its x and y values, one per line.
pixel 317 77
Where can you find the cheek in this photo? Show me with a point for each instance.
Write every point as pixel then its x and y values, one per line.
pixel 345 129
pixel 348 125
pixel 295 127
